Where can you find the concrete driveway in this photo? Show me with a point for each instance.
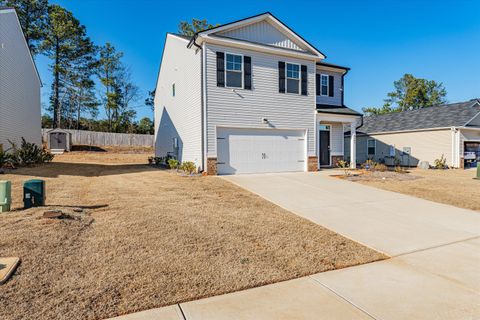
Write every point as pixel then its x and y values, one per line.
pixel 386 221
pixel 434 272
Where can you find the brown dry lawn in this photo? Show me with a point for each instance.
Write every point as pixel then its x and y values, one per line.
pixel 453 187
pixel 150 238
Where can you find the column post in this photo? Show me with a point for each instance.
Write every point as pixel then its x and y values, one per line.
pixel 353 145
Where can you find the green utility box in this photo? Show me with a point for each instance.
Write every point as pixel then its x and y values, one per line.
pixel 34 193
pixel 478 171
pixel 5 195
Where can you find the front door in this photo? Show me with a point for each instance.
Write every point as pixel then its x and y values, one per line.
pixel 324 145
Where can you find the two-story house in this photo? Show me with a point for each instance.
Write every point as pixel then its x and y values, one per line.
pixel 251 96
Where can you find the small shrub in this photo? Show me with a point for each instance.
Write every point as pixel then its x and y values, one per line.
pixel 189 167
pixel 344 165
pixel 440 163
pixel 369 164
pixel 399 169
pixel 173 163
pixel 28 154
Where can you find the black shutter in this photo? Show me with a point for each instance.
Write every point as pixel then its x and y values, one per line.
pixel 304 80
pixel 330 86
pixel 247 73
pixel 317 83
pixel 281 76
pixel 220 69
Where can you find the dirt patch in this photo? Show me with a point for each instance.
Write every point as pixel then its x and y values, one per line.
pixel 453 187
pixel 381 176
pixel 147 238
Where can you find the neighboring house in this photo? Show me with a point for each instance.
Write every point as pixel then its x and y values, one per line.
pixel 20 114
pixel 451 130
pixel 250 96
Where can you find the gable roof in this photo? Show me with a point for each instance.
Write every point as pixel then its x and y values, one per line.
pixel 439 116
pixel 267 16
pixel 6 10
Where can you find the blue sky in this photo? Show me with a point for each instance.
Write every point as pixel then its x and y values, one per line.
pixel 378 40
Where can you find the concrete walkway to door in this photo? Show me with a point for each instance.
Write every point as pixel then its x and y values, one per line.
pixel 434 272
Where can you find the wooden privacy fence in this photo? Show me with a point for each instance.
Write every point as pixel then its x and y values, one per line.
pixel 94 138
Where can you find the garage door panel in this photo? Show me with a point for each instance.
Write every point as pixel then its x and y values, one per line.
pixel 258 151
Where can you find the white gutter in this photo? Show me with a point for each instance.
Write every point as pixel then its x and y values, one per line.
pixel 403 131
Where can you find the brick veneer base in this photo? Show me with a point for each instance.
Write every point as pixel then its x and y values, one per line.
pixel 212 166
pixel 312 164
pixel 335 160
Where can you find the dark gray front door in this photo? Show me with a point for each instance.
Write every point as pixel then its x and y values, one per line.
pixel 324 147
pixel 58 140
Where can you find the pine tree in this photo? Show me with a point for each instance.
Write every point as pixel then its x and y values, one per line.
pixel 66 44
pixel 109 66
pixel 32 15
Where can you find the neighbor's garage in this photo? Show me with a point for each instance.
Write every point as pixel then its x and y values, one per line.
pixel 260 150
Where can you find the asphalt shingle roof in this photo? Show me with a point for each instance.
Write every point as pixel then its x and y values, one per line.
pixel 325 108
pixel 440 116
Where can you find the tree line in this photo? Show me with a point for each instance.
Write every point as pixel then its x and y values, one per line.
pixel 86 76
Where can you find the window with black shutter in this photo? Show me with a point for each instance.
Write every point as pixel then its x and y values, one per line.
pixel 317 84
pixel 220 69
pixel 234 70
pixel 281 76
pixel 293 78
pixel 303 69
pixel 247 73
pixel 330 86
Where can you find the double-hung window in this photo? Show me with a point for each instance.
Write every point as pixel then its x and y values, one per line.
pixel 293 78
pixel 324 85
pixel 371 147
pixel 234 70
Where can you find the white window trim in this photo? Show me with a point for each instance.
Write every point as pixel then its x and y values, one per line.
pixel 328 84
pixel 241 71
pixel 374 146
pixel 299 78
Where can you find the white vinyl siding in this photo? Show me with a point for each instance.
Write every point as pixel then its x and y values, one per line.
pixel 337 88
pixel 178 116
pixel 20 114
pixel 247 108
pixel 265 33
pixel 425 146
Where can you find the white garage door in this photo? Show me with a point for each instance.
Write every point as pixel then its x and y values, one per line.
pixel 259 151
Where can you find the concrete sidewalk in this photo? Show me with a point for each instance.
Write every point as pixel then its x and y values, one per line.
pixel 434 272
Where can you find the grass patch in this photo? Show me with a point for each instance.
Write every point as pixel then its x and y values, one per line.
pixel 149 238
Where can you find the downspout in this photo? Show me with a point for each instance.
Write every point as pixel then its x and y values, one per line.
pixel 204 100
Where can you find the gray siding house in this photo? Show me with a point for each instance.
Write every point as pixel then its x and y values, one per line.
pixel 19 85
pixel 449 130
pixel 250 96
